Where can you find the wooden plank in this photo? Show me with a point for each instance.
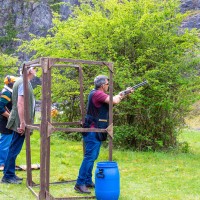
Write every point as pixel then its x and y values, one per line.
pixel 33 127
pixel 33 62
pixel 43 131
pixel 65 65
pixel 83 61
pixel 83 130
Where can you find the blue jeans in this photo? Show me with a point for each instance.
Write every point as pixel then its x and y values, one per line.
pixel 92 148
pixel 14 149
pixel 5 140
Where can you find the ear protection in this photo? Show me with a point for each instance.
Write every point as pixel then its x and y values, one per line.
pixel 9 79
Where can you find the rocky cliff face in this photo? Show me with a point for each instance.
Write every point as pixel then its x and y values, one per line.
pixel 190 5
pixel 194 20
pixel 18 18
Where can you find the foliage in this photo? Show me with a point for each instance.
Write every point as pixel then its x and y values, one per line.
pixel 9 32
pixel 127 137
pixel 56 5
pixel 7 66
pixel 7 60
pixel 144 41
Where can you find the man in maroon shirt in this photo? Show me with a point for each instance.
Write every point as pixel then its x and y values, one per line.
pixel 96 117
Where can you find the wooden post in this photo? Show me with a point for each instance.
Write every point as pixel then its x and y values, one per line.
pixel 110 108
pixel 50 63
pixel 43 130
pixel 27 130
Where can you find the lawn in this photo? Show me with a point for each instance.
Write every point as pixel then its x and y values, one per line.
pixel 143 175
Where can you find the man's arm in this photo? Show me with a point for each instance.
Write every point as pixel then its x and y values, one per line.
pixel 4 100
pixel 117 98
pixel 6 114
pixel 20 107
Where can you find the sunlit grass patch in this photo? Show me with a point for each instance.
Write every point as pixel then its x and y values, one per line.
pixel 143 175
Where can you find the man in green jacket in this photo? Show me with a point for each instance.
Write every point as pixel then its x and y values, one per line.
pixel 16 123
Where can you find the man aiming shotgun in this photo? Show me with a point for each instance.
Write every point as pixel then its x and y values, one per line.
pixel 96 117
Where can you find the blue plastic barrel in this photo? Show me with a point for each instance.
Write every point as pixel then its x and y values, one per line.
pixel 107 181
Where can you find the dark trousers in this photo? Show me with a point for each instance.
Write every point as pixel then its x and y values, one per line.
pixel 92 148
pixel 14 149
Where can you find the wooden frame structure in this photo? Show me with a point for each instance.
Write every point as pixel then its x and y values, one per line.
pixel 46 128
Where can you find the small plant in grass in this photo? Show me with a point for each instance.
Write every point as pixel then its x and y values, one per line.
pixel 183 147
pixel 61 178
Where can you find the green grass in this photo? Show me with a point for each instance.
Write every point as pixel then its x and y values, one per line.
pixel 143 175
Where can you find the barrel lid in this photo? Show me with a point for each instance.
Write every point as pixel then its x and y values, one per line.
pixel 106 164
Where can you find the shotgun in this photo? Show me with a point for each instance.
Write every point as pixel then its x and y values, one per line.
pixel 127 91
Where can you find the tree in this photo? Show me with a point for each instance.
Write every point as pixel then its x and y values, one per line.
pixel 144 40
pixel 7 66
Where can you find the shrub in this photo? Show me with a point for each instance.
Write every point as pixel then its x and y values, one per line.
pixel 144 41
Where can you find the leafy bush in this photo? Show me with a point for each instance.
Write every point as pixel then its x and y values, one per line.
pixel 144 40
pixel 7 66
pixel 125 137
pixel 128 137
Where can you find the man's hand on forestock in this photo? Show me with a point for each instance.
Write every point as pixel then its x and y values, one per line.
pixel 127 92
pixel 129 89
